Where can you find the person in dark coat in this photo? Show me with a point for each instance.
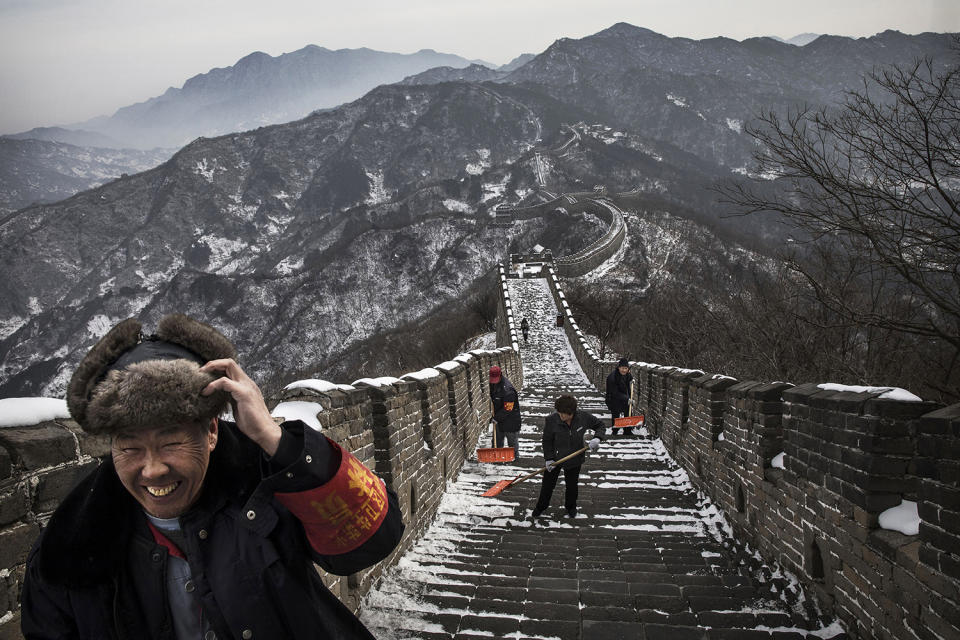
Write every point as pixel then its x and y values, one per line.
pixel 563 434
pixel 618 394
pixel 525 328
pixel 506 409
pixel 197 527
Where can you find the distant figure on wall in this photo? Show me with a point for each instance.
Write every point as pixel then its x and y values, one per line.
pixel 618 394
pixel 506 409
pixel 525 328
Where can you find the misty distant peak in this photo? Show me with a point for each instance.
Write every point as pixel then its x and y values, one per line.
pixel 803 39
pixel 260 89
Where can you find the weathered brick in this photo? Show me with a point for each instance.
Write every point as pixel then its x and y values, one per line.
pixel 39 446
pixel 16 542
pixel 6 465
pixel 14 503
pixel 54 485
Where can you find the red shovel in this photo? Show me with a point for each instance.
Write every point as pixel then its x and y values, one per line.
pixel 503 484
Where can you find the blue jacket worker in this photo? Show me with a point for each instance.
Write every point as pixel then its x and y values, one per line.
pixel 196 527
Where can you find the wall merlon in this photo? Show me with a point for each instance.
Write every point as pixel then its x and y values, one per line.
pixel 898 409
pixel 769 392
pixel 801 394
pixel 713 384
pixel 945 421
pixel 38 446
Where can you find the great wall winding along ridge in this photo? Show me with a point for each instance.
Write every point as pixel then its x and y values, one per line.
pixel 688 530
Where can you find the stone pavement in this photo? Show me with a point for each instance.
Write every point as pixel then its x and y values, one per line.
pixel 646 558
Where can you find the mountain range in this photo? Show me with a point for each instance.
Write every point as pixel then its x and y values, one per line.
pixel 305 240
pixel 258 90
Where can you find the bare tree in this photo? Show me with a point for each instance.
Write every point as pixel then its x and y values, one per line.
pixel 600 311
pixel 873 187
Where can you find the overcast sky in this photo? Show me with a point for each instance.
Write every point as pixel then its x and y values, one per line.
pixel 64 61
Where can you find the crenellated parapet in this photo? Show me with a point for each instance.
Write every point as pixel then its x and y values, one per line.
pixel 814 477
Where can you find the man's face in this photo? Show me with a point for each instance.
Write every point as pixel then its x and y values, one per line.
pixel 566 417
pixel 164 467
pixel 624 370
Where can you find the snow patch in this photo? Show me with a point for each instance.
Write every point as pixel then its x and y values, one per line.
pixel 476 168
pixel 903 518
pixel 735 125
pixel 886 393
pixel 378 193
pixel 321 386
pixel 424 374
pixel 677 100
pixel 299 410
pixel 99 324
pixel 207 169
pixel 376 382
pixel 289 265
pixel 457 205
pixel 10 326
pixel 777 462
pixel 24 412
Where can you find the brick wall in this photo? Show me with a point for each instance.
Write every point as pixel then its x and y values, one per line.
pixel 847 457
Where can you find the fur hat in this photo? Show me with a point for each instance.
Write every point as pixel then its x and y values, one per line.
pixel 127 381
pixel 623 362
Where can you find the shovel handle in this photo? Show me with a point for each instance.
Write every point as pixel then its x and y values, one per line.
pixel 542 469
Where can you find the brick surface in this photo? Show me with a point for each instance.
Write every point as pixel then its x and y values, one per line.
pixel 39 446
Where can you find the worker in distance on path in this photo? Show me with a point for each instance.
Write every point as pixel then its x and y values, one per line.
pixel 197 527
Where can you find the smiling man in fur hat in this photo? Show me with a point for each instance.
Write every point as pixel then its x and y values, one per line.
pixel 196 527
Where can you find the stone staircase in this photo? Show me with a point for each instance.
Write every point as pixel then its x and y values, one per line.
pixel 646 558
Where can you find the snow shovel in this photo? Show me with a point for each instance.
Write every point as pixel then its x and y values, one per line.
pixel 629 421
pixel 496 489
pixel 496 454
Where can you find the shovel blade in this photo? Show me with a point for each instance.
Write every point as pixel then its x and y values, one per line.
pixel 497 488
pixel 496 454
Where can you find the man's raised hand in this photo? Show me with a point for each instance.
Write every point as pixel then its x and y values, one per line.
pixel 249 409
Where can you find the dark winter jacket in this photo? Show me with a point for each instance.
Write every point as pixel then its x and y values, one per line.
pixel 97 572
pixel 506 406
pixel 561 439
pixel 618 392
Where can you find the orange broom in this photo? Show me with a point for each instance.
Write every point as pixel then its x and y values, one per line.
pixel 496 489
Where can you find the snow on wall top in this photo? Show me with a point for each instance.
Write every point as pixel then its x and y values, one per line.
pixel 376 382
pixel 317 385
pixel 24 412
pixel 886 393
pixel 299 410
pixel 424 374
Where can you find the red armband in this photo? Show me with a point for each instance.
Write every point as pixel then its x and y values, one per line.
pixel 343 513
